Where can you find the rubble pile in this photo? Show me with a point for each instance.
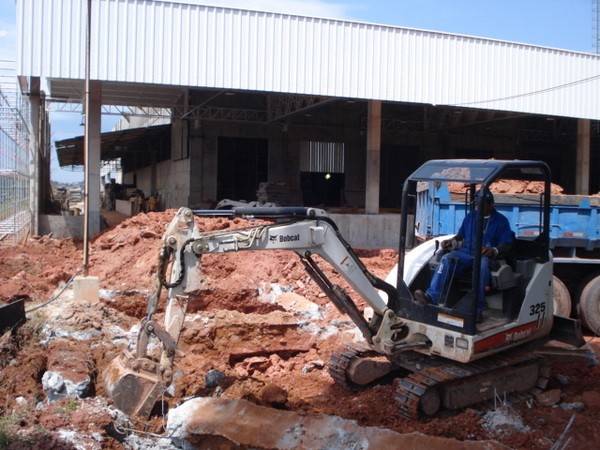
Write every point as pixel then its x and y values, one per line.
pixel 253 351
pixel 510 187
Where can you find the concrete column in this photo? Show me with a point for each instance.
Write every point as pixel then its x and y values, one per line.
pixel 153 150
pixel 196 146
pixel 373 157
pixel 582 174
pixel 34 162
pixel 93 164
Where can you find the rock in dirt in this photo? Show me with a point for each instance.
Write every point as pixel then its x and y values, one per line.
pixel 575 406
pixel 56 387
pixel 69 370
pixel 299 304
pixel 245 424
pixel 273 395
pixel 549 398
pixel 503 421
pixel 213 378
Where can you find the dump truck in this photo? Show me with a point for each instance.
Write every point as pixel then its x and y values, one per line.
pixel 574 238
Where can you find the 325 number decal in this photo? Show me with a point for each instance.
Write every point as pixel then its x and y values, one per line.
pixel 538 308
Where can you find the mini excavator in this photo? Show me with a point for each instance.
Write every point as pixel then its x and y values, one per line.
pixel 443 356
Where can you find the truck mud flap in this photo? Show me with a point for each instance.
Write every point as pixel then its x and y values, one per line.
pixel 567 331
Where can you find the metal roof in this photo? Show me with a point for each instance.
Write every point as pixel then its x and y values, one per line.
pixel 113 145
pixel 139 43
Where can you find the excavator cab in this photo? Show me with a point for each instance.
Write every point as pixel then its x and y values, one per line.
pixel 510 276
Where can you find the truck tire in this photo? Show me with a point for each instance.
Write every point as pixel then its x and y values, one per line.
pixel 589 305
pixel 561 298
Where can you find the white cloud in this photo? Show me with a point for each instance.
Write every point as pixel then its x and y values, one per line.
pixel 8 41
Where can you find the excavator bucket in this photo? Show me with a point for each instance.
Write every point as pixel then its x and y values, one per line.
pixel 135 392
pixel 135 382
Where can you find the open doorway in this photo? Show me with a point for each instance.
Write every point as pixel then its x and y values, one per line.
pixel 322 172
pixel 241 165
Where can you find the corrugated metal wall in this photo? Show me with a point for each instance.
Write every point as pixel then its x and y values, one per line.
pixel 322 157
pixel 180 44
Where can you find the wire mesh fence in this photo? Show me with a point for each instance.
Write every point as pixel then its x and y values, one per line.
pixel 15 214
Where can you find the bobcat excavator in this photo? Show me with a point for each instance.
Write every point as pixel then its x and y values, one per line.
pixel 442 355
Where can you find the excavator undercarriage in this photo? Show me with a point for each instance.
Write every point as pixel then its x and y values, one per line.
pixel 427 384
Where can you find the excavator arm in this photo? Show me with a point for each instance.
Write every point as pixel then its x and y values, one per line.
pixel 307 236
pixel 136 380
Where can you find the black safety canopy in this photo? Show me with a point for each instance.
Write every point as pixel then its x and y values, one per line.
pixel 479 171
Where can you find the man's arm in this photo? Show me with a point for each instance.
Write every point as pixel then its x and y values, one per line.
pixel 498 252
pixel 503 250
pixel 504 239
pixel 455 243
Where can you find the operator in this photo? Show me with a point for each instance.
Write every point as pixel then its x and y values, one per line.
pixel 496 243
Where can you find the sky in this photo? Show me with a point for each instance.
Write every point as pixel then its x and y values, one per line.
pixel 563 24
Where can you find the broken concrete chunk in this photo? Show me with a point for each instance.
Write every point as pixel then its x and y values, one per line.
pixel 56 387
pixel 502 419
pixel 298 304
pixel 69 370
pixel 575 406
pixel 313 365
pixel 200 420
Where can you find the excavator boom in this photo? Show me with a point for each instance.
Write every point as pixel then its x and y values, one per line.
pixel 135 380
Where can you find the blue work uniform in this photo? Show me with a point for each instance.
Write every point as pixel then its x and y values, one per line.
pixel 496 232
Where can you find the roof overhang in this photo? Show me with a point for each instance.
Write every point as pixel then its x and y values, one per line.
pixel 166 47
pixel 118 93
pixel 114 144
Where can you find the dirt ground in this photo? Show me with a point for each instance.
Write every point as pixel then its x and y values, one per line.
pixel 240 324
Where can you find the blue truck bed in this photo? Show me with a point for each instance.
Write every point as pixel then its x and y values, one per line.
pixel 574 218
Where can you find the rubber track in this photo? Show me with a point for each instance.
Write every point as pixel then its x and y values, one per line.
pixel 412 387
pixel 340 360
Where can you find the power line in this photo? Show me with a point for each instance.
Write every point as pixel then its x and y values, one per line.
pixel 527 94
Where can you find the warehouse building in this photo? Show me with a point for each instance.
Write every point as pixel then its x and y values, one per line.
pixel 328 112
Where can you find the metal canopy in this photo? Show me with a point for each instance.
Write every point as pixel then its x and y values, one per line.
pixel 118 93
pixel 479 171
pixel 114 144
